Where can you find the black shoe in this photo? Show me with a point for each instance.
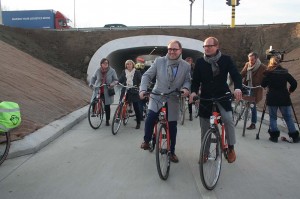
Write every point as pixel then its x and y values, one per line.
pixel 138 126
pixel 251 127
pixel 107 123
pixel 191 117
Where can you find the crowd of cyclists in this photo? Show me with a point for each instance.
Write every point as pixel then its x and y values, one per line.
pixel 207 77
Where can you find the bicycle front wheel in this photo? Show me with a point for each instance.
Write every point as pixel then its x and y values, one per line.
pixel 116 122
pixel 246 116
pixel 238 111
pixel 162 153
pixel 182 111
pixel 95 114
pixel 125 114
pixel 210 159
pixel 4 145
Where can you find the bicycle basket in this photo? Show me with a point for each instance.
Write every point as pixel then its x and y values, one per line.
pixel 10 116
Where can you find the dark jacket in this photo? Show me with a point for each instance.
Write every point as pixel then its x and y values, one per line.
pixel 132 94
pixel 214 87
pixel 276 81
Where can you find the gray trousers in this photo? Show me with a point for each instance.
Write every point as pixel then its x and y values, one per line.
pixel 228 123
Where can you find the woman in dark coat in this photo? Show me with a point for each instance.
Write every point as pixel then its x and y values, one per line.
pixel 132 77
pixel 278 97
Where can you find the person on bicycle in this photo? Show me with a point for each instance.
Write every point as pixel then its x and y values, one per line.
pixel 132 77
pixel 211 72
pixel 172 73
pixel 252 75
pixel 105 74
pixel 278 97
pixel 191 62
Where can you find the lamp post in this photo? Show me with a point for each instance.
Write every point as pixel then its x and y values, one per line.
pixel 203 13
pixel 191 7
pixel 74 15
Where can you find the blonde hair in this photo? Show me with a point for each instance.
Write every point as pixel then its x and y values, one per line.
pixel 273 63
pixel 129 61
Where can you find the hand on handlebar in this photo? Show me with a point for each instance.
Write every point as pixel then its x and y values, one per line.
pixel 191 98
pixel 237 94
pixel 185 92
pixel 142 95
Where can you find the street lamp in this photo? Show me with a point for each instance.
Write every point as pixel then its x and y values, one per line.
pixel 203 13
pixel 191 5
pixel 74 15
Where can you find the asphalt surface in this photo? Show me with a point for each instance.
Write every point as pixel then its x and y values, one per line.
pixel 88 163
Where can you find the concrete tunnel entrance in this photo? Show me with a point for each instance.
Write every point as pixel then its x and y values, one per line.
pixel 119 50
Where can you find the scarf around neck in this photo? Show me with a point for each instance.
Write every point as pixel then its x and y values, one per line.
pixel 129 76
pixel 251 70
pixel 103 72
pixel 213 62
pixel 172 67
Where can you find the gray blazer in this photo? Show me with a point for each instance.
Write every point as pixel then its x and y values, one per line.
pixel 96 81
pixel 164 85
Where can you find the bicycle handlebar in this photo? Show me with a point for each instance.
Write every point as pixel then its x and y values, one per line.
pixel 134 87
pixel 163 94
pixel 227 95
pixel 251 87
pixel 100 86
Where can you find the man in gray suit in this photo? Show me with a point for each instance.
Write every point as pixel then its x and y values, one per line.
pixel 172 73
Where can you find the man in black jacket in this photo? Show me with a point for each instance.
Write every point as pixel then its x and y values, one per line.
pixel 210 74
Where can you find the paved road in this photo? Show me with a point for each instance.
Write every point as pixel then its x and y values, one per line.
pixel 87 163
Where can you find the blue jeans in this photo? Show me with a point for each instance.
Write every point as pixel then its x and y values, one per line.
pixel 253 114
pixel 286 112
pixel 149 126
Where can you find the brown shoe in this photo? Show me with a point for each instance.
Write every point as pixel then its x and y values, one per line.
pixel 231 156
pixel 145 146
pixel 251 127
pixel 173 158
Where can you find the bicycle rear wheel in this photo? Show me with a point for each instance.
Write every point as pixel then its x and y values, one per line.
pixel 246 116
pixel 4 145
pixel 116 122
pixel 210 159
pixel 95 113
pixel 162 153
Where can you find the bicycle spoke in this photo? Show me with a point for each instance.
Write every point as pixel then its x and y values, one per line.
pixel 95 114
pixel 116 123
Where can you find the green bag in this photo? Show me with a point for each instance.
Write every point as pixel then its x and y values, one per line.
pixel 10 116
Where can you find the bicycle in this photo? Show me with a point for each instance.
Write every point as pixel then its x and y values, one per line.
pixel 4 145
pixel 96 110
pixel 161 135
pixel 122 111
pixel 241 108
pixel 213 145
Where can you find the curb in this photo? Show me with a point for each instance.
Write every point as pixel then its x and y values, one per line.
pixel 37 140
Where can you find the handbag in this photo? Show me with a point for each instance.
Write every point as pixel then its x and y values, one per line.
pixel 111 91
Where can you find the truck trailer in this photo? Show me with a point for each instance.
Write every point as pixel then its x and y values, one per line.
pixel 47 19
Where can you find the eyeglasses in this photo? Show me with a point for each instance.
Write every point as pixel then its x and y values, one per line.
pixel 173 49
pixel 105 62
pixel 208 46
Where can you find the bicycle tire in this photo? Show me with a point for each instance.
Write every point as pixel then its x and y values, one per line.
pixel 238 111
pixel 95 114
pixel 4 146
pixel 247 109
pixel 210 162
pixel 162 153
pixel 116 122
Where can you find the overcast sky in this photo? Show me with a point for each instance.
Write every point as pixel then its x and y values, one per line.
pixel 97 13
